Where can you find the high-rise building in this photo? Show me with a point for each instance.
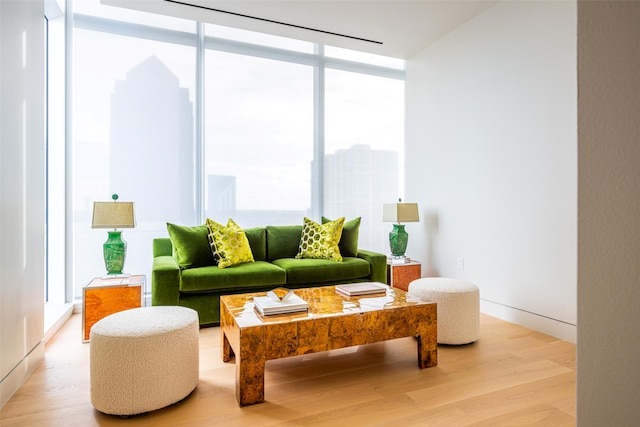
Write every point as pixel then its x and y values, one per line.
pixel 152 123
pixel 357 182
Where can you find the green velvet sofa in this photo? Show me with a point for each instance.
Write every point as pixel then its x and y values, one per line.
pixel 199 286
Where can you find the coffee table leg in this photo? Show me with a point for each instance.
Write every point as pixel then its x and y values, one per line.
pixel 227 351
pixel 249 380
pixel 427 352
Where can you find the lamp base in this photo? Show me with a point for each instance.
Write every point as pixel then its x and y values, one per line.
pixel 398 239
pixel 114 250
pixel 396 260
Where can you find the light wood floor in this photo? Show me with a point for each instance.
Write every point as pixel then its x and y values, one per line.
pixel 511 376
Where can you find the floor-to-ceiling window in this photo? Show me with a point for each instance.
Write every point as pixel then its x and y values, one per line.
pixel 193 120
pixel 363 147
pixel 56 294
pixel 258 140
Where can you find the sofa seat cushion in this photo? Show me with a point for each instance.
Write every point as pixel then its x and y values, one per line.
pixel 304 271
pixel 234 278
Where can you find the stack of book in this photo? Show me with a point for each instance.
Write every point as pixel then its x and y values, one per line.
pixel 268 305
pixel 366 288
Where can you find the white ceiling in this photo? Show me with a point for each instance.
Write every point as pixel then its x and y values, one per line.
pixel 396 28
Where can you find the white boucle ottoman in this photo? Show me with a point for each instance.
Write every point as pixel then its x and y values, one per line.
pixel 143 359
pixel 458 307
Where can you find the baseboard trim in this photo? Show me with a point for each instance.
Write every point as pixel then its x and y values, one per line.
pixel 556 328
pixel 12 382
pixel 55 315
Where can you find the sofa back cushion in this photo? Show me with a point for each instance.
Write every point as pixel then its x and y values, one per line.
pixel 258 241
pixel 283 241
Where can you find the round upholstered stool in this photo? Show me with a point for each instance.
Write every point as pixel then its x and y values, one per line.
pixel 458 307
pixel 143 359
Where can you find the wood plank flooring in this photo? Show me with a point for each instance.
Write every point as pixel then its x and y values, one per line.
pixel 511 376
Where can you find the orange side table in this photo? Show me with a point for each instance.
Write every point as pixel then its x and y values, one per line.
pixel 107 295
pixel 400 275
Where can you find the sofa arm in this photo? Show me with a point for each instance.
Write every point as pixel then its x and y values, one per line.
pixel 165 281
pixel 162 246
pixel 378 264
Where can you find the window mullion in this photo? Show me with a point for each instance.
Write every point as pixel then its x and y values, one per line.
pixel 199 126
pixel 317 172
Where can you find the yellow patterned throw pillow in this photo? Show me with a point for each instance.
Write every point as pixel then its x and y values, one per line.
pixel 229 244
pixel 321 241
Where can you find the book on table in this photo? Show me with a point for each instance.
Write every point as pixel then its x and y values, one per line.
pixel 366 288
pixel 267 305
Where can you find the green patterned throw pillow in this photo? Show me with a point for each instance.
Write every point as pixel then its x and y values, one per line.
pixel 229 244
pixel 349 240
pixel 321 241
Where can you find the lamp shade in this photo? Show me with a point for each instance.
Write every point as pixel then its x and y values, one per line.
pixel 113 215
pixel 400 212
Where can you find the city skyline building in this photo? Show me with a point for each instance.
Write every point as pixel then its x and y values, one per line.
pixel 150 109
pixel 357 182
pixel 152 123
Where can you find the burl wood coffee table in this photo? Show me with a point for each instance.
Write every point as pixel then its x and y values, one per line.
pixel 333 321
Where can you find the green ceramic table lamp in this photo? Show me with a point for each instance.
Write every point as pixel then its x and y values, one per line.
pixel 113 215
pixel 398 213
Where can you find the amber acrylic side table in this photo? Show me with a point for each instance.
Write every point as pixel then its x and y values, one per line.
pixel 400 275
pixel 107 295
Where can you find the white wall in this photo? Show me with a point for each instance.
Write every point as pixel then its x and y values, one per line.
pixel 609 213
pixel 22 191
pixel 491 158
